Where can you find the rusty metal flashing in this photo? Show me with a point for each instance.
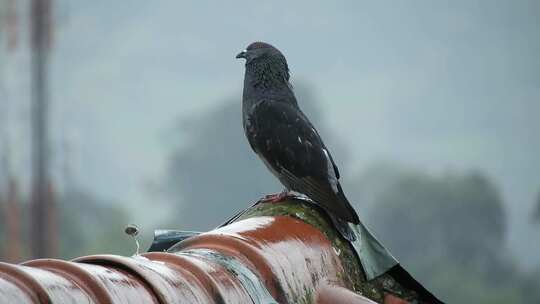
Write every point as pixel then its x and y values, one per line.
pixel 166 238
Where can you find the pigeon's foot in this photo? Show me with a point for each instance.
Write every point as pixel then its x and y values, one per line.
pixel 276 197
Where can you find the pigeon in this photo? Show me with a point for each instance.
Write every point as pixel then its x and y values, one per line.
pixel 284 138
pixel 292 149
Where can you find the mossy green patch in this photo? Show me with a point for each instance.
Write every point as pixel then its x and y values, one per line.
pixel 353 274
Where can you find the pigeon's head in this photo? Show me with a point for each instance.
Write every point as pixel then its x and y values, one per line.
pixel 261 51
pixel 265 65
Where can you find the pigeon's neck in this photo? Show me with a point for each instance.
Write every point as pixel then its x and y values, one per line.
pixel 271 74
pixel 253 94
pixel 267 80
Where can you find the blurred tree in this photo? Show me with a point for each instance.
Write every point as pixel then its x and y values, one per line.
pixel 371 183
pixel 529 285
pixel 450 230
pixel 89 225
pixel 536 212
pixel 215 174
pixel 2 224
pixel 457 216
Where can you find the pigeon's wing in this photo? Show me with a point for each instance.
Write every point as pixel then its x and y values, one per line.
pixel 336 170
pixel 288 143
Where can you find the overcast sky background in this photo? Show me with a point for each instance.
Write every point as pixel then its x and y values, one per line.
pixel 447 85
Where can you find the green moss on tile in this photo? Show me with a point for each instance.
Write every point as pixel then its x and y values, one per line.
pixel 353 274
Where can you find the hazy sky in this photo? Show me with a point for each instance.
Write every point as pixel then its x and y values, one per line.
pixel 445 85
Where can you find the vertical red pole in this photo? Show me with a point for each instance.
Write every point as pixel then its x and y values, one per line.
pixel 41 39
pixel 13 223
pixel 11 25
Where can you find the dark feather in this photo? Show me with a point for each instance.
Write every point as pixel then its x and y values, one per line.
pixel 291 147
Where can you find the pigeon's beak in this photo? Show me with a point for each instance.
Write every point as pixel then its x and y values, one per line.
pixel 242 54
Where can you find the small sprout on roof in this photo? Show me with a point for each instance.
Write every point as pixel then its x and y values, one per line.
pixel 132 230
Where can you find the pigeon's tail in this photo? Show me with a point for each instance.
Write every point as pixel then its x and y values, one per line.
pixel 342 227
pixel 344 203
pixel 405 279
pixel 340 212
